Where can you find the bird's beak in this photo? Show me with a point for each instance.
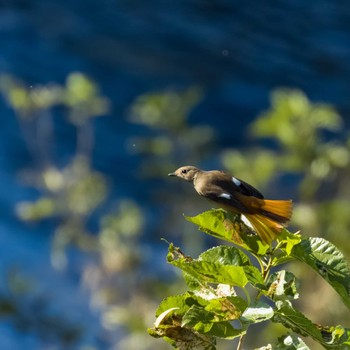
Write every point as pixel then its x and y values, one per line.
pixel 172 174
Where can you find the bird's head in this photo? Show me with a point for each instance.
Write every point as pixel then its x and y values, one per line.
pixel 187 172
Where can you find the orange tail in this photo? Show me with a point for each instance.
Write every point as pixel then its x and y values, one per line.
pixel 277 210
pixel 271 218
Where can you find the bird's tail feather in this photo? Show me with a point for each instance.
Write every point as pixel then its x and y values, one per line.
pixel 266 228
pixel 277 210
pixel 271 218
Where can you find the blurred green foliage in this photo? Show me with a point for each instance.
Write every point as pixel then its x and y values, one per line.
pixel 70 197
pixel 308 145
pixel 174 139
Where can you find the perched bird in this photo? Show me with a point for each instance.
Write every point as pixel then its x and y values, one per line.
pixel 267 217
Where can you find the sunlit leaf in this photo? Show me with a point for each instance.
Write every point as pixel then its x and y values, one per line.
pixel 214 272
pixel 258 312
pixel 229 227
pixel 226 308
pixel 288 240
pixel 329 337
pixel 328 262
pixel 205 322
pixel 211 268
pixel 179 303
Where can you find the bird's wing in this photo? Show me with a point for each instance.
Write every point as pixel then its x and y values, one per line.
pixel 229 191
pixel 231 185
pixel 226 200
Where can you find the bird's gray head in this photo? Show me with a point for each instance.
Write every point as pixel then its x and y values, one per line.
pixel 187 172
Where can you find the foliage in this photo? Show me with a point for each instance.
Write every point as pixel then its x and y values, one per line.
pixel 70 197
pixel 307 158
pixel 173 140
pixel 221 280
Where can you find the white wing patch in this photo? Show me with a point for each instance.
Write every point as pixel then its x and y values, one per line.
pixel 225 195
pixel 236 181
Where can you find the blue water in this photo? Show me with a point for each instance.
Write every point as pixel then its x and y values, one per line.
pixel 237 51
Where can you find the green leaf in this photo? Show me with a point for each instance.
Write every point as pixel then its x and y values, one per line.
pixel 219 329
pixel 288 240
pixel 257 313
pixel 229 227
pixel 205 322
pixel 328 262
pixel 329 337
pixel 181 303
pixel 296 321
pixel 226 308
pixel 226 255
pixel 213 266
pixel 168 324
pixel 290 342
pixel 214 272
pixel 232 256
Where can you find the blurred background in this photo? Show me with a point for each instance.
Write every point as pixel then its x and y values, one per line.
pixel 100 100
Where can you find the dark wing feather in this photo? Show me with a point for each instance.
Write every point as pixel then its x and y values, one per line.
pixel 233 202
pixel 214 185
pixel 226 183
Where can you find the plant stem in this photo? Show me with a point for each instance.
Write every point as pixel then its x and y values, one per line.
pixel 240 342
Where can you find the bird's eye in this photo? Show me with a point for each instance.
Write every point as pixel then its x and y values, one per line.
pixel 184 171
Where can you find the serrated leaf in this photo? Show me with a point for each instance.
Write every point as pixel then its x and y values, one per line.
pixel 229 227
pixel 214 272
pixel 296 321
pixel 288 240
pixel 181 303
pixel 168 324
pixel 222 330
pixel 232 256
pixel 196 314
pixel 226 308
pixel 257 313
pixel 328 262
pixel 337 338
pixel 211 267
pixel 206 322
pixel 226 256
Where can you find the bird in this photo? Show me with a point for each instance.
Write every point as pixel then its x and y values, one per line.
pixel 267 217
